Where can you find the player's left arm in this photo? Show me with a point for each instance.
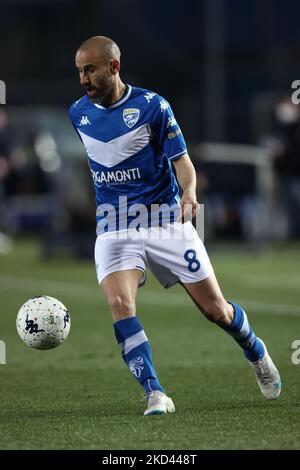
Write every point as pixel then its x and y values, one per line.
pixel 186 177
pixel 170 137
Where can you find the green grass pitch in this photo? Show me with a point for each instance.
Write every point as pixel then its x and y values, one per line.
pixel 82 396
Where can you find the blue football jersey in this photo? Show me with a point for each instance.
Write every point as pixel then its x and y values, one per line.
pixel 130 146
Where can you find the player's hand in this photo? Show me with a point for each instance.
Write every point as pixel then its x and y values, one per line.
pixel 189 206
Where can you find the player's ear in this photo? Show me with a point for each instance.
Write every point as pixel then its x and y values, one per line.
pixel 114 66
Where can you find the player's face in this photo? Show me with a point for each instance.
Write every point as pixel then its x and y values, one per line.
pixel 95 75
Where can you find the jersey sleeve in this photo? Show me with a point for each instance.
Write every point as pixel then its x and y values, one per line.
pixel 167 130
pixel 73 120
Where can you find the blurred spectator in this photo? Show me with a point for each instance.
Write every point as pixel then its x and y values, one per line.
pixel 232 206
pixel 5 168
pixel 27 176
pixel 284 145
pixel 4 152
pixel 41 167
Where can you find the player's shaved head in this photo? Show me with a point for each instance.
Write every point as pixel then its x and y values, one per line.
pixel 105 47
pixel 98 62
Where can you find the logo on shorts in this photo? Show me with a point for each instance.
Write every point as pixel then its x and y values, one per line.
pixel 136 366
pixel 131 116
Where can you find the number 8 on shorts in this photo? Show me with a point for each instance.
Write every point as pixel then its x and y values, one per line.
pixel 193 263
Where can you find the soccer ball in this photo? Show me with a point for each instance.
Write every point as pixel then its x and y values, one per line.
pixel 43 322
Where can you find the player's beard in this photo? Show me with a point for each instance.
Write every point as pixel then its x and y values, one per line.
pixel 97 97
pixel 101 96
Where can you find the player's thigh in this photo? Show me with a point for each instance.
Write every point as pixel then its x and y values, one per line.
pixel 114 254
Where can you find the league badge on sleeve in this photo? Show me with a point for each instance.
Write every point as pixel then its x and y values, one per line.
pixel 131 116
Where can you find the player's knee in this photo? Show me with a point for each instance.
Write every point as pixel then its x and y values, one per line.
pixel 121 305
pixel 218 311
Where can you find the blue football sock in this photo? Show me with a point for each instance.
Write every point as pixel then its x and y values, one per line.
pixel 136 352
pixel 243 334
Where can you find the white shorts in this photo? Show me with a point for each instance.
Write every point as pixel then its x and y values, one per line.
pixel 173 253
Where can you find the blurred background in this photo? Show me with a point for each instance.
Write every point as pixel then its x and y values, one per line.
pixel 225 66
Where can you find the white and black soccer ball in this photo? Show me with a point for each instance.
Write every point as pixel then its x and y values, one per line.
pixel 43 322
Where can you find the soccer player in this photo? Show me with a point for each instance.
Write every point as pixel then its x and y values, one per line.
pixel 135 148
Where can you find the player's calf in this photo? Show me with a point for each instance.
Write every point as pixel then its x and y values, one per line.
pixel 208 297
pixel 218 311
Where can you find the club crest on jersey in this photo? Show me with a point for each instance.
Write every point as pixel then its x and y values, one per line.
pixel 131 116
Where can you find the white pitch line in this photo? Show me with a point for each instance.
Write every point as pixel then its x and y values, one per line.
pixel 35 286
pixel 265 282
pixel 269 308
pixel 43 286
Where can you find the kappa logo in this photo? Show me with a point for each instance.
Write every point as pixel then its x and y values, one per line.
pixel 84 121
pixel 163 105
pixel 131 116
pixel 171 122
pixel 149 96
pixel 136 366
